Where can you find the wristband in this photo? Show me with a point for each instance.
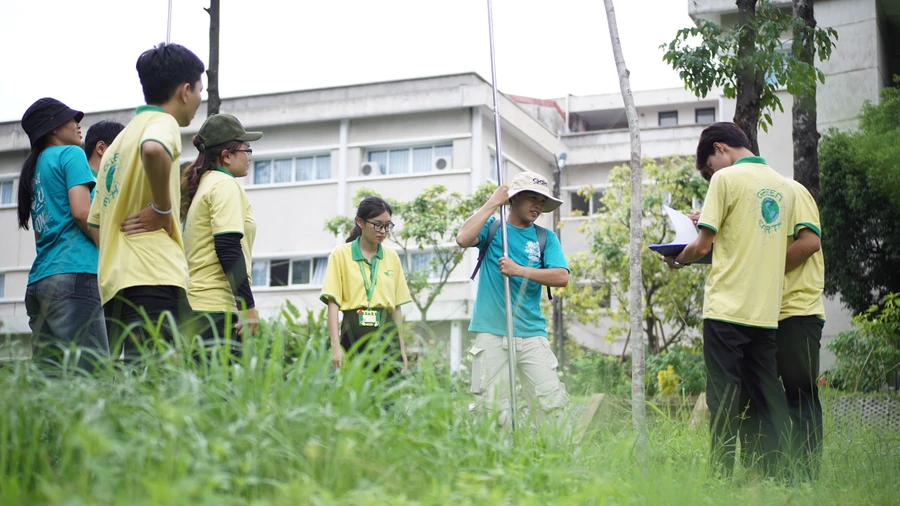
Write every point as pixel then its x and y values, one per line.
pixel 160 211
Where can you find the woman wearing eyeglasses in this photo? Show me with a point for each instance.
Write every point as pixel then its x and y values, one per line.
pixel 365 282
pixel 219 229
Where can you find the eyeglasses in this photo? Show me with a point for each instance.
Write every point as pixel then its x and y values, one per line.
pixel 387 227
pixel 248 151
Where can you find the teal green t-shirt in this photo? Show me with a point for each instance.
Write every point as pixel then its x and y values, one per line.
pixel 62 248
pixel 489 314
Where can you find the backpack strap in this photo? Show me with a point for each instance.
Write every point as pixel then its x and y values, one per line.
pixel 541 233
pixel 482 248
pixel 542 243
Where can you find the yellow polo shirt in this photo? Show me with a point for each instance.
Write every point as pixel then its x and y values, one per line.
pixel 749 207
pixel 344 282
pixel 151 258
pixel 803 286
pixel 220 206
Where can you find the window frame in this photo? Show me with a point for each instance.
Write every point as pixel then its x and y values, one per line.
pixel 291 262
pixel 667 114
pixel 410 157
pixel 13 181
pixel 704 109
pixel 272 159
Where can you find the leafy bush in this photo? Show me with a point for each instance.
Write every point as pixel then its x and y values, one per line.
pixel 597 373
pixel 687 365
pixel 869 357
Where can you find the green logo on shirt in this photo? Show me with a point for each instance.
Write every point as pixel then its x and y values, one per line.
pixel 389 273
pixel 769 210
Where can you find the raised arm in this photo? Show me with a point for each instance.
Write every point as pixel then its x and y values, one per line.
pixel 468 233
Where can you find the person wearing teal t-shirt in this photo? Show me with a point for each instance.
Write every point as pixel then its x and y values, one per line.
pixel 529 269
pixel 62 299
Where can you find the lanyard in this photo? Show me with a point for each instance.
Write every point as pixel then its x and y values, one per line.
pixel 369 282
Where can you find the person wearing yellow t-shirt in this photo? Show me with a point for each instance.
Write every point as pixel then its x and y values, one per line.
pixel 142 268
pixel 800 326
pixel 748 212
pixel 365 282
pixel 219 229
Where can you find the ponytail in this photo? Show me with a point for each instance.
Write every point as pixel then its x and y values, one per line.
pixel 354 234
pixel 26 182
pixel 206 160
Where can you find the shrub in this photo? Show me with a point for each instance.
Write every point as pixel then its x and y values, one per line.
pixel 688 368
pixel 869 357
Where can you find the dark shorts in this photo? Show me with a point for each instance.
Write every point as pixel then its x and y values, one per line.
pixel 362 338
pixel 134 313
pixel 213 327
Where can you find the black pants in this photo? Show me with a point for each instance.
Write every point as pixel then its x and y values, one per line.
pixel 741 367
pixel 370 337
pixel 799 342
pixel 128 309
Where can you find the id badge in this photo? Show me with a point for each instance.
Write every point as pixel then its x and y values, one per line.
pixel 369 318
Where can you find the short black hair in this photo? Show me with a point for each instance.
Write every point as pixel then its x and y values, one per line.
pixel 164 68
pixel 725 132
pixel 105 131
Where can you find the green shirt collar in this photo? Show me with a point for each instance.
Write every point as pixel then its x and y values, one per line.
pixel 223 171
pixel 357 253
pixel 148 107
pixel 751 159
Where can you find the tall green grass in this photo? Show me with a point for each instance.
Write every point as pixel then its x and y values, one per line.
pixel 270 430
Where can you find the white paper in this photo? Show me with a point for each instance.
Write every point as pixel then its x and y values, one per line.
pixel 685 231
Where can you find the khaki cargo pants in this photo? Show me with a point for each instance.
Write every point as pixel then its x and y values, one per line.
pixel 535 366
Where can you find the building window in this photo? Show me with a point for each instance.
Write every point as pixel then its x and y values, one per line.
pixel 581 206
pixel 705 116
pixel 668 118
pixel 292 170
pixel 410 160
pixel 2 285
pixel 259 273
pixel 6 193
pixel 289 272
pixel 418 262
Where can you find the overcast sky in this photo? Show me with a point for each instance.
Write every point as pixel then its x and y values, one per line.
pixel 84 53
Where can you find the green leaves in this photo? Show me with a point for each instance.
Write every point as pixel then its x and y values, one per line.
pixel 672 299
pixel 712 60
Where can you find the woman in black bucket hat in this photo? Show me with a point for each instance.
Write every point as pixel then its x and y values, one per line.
pixel 62 299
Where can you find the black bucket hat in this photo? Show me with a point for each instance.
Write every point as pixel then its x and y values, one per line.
pixel 45 115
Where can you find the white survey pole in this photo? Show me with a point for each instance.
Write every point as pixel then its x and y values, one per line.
pixel 511 344
pixel 169 24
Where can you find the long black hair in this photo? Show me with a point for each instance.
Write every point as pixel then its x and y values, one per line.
pixel 370 207
pixel 205 162
pixel 26 181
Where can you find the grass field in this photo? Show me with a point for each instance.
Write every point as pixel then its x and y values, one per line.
pixel 270 431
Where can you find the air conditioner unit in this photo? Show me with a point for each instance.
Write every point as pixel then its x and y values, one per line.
pixel 370 169
pixel 443 163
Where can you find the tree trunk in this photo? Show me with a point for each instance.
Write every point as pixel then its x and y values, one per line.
pixel 638 403
pixel 750 80
pixel 212 74
pixel 806 135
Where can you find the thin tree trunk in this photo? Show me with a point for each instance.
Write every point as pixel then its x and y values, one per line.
pixel 806 136
pixel 212 74
pixel 750 80
pixel 638 403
